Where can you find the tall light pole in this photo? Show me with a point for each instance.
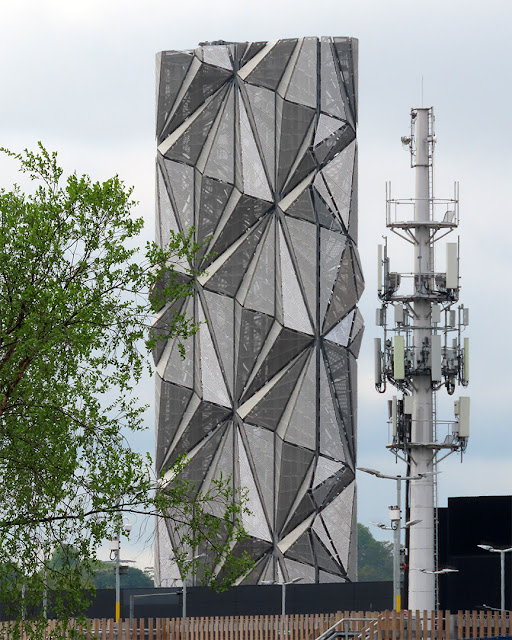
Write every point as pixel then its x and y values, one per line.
pixel 283 591
pixel 115 546
pixel 502 552
pixel 423 349
pixel 395 516
pixel 184 592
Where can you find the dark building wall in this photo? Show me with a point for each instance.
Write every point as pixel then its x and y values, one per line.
pixel 248 600
pixel 463 525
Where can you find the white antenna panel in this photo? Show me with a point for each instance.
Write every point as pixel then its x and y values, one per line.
pixel 435 365
pixel 398 357
pixel 452 265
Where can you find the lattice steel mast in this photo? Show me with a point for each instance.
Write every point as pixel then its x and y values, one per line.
pixel 422 348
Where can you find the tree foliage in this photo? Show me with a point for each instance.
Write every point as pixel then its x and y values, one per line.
pixel 375 557
pixel 75 307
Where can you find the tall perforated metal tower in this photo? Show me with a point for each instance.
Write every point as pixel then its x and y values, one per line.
pixel 423 349
pixel 257 154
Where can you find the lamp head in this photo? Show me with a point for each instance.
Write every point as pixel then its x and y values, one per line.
pixel 372 472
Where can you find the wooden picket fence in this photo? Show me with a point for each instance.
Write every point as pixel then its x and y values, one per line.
pixel 348 625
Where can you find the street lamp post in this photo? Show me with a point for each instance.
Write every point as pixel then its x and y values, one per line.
pixel 283 591
pixel 184 592
pixel 396 527
pixel 395 515
pixel 502 552
pixel 115 546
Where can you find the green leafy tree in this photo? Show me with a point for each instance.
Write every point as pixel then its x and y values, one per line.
pixel 375 558
pixel 104 577
pixel 75 306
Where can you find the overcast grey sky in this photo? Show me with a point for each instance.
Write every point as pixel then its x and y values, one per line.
pixel 79 75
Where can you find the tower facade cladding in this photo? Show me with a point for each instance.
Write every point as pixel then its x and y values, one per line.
pixel 257 151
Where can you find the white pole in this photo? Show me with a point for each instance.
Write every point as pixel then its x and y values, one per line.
pixel 421 549
pixel 184 607
pixel 396 550
pixel 502 563
pixel 118 587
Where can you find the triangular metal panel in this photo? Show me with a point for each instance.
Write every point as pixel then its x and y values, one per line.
pixel 212 380
pixel 344 294
pixel 332 245
pixel 348 63
pixel 255 575
pixel 250 51
pixel 355 343
pixel 221 470
pixel 253 547
pixel 306 572
pixel 220 163
pixel 353 226
pixel 331 96
pixel 338 361
pixel 286 347
pixel 160 328
pixel 261 292
pixel 302 87
pixel 213 199
pixel 181 180
pixel 338 176
pixel 325 467
pixel 262 105
pixel 298 423
pixel 328 490
pixel 220 313
pixel 302 208
pixel 228 277
pixel 254 329
pixel 206 419
pixel 245 215
pixel 216 55
pixel 322 190
pixel 326 218
pixel 269 410
pixel 253 174
pixel 261 448
pixel 180 369
pixel 167 222
pixel 195 471
pixel 171 402
pixel 269 71
pixel 327 150
pixel 172 69
pixel 331 442
pixel 295 464
pixel 320 530
pixel 338 520
pixel 340 333
pixel 323 557
pixel 325 127
pixel 302 550
pixel 305 510
pixel 304 249
pixel 205 83
pixel 295 314
pixel 190 143
pixel 255 522
pixel 293 124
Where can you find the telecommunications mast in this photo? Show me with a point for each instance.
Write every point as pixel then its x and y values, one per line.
pixel 423 348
